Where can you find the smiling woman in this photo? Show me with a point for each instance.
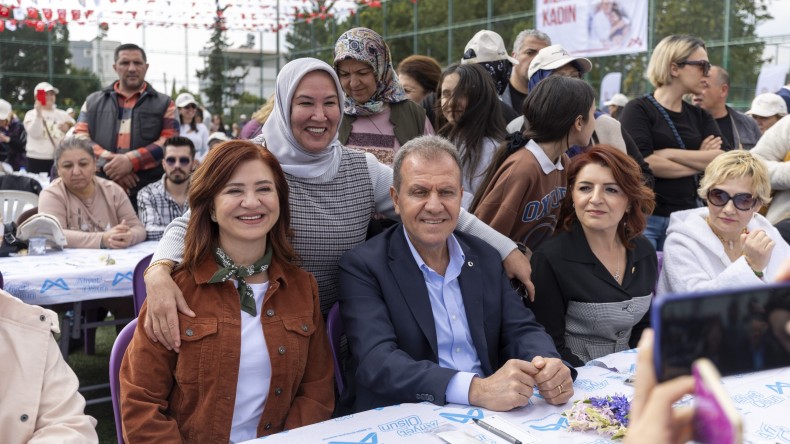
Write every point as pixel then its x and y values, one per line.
pixel 238 264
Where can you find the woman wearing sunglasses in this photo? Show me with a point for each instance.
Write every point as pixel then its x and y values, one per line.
pixel 190 128
pixel 727 243
pixel 677 139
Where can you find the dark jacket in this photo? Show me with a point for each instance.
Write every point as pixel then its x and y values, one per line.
pixel 387 313
pixel 746 130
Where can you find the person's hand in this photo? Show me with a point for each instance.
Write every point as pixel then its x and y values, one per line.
pixel 652 418
pixel 164 299
pixel 119 166
pixel 64 126
pixel 128 182
pixel 38 107
pixel 757 247
pixel 553 379
pixel 710 143
pixel 4 138
pixel 508 388
pixel 517 266
pixel 118 236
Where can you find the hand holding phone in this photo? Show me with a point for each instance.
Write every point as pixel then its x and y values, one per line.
pixel 715 418
pixel 41 96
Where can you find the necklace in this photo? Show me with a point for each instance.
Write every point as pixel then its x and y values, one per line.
pixel 616 274
pixel 727 243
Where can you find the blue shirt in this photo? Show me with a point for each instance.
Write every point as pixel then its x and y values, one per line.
pixel 455 346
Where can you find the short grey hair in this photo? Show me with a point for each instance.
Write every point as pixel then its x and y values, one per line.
pixel 540 35
pixel 427 148
pixel 74 143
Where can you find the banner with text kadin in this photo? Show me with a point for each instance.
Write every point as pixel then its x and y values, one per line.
pixel 595 27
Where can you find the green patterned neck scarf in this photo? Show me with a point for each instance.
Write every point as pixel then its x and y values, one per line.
pixel 230 270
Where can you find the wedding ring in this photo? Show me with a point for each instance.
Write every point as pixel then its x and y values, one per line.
pixel 561 390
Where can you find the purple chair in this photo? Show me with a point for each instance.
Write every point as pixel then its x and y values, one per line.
pixel 138 284
pixel 116 356
pixel 334 329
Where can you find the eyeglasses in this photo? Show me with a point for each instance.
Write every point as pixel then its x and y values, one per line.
pixel 703 63
pixel 181 160
pixel 742 201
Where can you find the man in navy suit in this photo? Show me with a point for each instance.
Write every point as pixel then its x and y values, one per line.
pixel 429 312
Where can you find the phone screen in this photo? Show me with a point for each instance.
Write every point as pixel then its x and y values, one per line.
pixel 740 331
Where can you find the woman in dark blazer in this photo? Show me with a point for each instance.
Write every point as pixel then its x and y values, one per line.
pixel 594 280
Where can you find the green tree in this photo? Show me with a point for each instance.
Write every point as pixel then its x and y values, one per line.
pixel 220 83
pixel 25 61
pixel 396 19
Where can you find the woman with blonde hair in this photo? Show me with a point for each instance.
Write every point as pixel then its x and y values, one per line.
pixel 677 139
pixel 726 244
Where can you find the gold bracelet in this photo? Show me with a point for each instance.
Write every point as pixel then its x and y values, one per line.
pixel 164 262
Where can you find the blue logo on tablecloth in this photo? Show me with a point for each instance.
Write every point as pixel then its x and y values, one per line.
pixel 774 433
pixel 60 283
pixel 779 387
pixel 463 418
pixel 119 277
pixel 589 385
pixel 757 399
pixel 370 438
pixel 562 423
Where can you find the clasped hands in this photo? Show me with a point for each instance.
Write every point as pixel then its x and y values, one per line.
pixel 513 384
pixel 120 170
pixel 117 236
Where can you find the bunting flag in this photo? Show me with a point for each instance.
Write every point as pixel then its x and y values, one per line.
pixel 249 15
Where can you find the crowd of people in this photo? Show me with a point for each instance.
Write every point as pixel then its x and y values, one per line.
pixel 484 229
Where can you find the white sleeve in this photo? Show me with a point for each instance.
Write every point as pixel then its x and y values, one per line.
pixel 171 246
pixel 773 147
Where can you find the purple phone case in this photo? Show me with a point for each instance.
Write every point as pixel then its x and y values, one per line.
pixel 711 424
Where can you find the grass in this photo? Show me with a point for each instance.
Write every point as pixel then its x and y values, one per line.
pixel 94 369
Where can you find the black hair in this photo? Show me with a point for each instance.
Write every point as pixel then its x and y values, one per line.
pixel 178 141
pixel 129 47
pixel 482 117
pixel 550 110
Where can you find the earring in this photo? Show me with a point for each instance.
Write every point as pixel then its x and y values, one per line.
pixel 213 216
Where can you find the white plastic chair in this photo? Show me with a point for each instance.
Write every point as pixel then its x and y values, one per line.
pixel 13 203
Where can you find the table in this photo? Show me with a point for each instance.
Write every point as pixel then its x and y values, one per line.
pixel 72 275
pixel 763 400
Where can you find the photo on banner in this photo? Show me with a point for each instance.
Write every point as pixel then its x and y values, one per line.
pixel 595 27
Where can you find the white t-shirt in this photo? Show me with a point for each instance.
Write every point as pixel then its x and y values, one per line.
pixel 255 373
pixel 199 138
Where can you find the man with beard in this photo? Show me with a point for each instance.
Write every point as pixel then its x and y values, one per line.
pixel 166 199
pixel 128 123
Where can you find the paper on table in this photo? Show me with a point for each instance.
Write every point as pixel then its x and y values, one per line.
pixel 511 429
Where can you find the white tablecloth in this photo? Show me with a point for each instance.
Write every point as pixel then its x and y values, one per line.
pixel 73 274
pixel 763 400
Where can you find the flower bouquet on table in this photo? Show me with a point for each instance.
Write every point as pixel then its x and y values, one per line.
pixel 607 415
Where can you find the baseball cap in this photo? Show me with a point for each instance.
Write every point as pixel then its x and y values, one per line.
pixel 767 105
pixel 617 99
pixel 46 87
pixel 43 225
pixel 218 135
pixel 185 99
pixel 5 110
pixel 486 46
pixel 555 56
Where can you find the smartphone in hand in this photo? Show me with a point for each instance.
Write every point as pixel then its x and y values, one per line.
pixel 716 420
pixel 740 330
pixel 41 96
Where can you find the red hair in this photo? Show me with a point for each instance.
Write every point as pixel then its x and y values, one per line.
pixel 628 176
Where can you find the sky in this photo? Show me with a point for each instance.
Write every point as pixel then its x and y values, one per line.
pixel 166 47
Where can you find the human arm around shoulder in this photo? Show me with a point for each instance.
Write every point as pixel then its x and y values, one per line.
pixel 550 305
pixel 164 297
pixel 773 147
pixel 315 396
pixel 146 380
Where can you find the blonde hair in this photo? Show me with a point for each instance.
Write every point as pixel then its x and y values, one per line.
pixel 263 112
pixel 672 49
pixel 737 164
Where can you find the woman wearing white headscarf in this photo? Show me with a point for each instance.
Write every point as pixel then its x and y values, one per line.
pixel 333 193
